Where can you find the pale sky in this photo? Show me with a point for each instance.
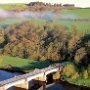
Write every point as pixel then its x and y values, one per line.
pixel 81 3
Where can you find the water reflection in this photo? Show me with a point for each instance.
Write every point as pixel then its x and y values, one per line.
pixel 57 86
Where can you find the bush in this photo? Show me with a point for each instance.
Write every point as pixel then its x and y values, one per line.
pixel 75 76
pixel 56 75
pixel 85 74
pixel 69 70
pixel 43 58
pixel 89 69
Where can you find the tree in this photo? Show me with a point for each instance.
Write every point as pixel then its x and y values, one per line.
pixel 82 51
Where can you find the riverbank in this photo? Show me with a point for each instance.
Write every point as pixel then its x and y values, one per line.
pixel 12 70
pixel 78 82
pixel 63 85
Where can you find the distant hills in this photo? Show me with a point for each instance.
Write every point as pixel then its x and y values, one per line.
pixel 49 4
pixel 37 6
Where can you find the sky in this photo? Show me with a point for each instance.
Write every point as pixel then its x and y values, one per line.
pixel 80 3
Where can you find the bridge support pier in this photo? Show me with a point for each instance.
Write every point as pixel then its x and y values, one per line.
pixel 44 85
pixel 23 86
pixel 42 81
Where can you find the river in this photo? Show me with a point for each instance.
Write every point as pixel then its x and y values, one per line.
pixel 57 86
pixel 6 75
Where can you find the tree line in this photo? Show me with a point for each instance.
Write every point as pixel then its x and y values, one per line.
pixel 45 42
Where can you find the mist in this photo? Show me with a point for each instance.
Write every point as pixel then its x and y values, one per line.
pixel 27 14
pixel 47 15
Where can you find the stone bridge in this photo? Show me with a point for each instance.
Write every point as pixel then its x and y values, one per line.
pixel 23 80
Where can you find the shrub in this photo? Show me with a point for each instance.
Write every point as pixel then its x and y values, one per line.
pixel 75 76
pixel 56 75
pixel 69 70
pixel 43 58
pixel 85 74
pixel 89 69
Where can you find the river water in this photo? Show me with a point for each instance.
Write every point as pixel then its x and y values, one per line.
pixel 57 86
pixel 6 75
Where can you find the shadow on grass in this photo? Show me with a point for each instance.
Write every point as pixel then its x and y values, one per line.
pixel 12 69
pixel 36 64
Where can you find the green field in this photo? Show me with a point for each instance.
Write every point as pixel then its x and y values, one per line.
pixel 24 64
pixel 81 26
pixel 79 81
pixel 10 6
pixel 78 13
pixel 8 22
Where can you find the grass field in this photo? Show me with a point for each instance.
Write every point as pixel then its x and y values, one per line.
pixel 79 81
pixel 25 64
pixel 8 22
pixel 81 26
pixel 10 6
pixel 78 13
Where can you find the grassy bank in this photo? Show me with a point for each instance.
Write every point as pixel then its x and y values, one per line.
pixel 25 65
pixel 79 81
